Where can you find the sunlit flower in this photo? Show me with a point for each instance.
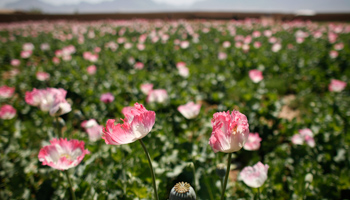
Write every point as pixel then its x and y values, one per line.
pixel 254 176
pixel 139 65
pixel 146 87
pixel 276 47
pixel 93 129
pixel 336 85
pixel 253 142
pixel 184 44
pixel 28 47
pixel 137 124
pixel 15 62
pixel 158 96
pixel 222 56
pixel 305 135
pixel 62 154
pixel 230 131
pixel 26 54
pixel 42 76
pixel 49 99
pixel 7 112
pixel 333 54
pixel 91 69
pixel 107 97
pixel 183 70
pixel 189 110
pixel 255 75
pixel 6 92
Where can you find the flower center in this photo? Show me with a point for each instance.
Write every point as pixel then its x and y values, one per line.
pixel 66 155
pixel 182 187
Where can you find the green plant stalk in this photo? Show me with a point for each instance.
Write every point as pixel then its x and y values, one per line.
pixel 151 168
pixel 226 176
pixel 258 193
pixel 70 184
pixel 194 176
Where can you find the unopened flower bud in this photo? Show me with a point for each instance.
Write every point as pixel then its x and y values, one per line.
pixel 78 115
pixel 61 122
pixel 309 178
pixel 182 191
pixel 221 170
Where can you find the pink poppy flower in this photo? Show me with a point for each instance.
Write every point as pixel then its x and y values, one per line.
pixel 339 46
pixel 189 110
pixel 6 92
pixel 305 135
pixel 93 129
pixel 257 44
pixel 139 65
pixel 336 85
pixel 255 75
pixel 26 54
pixel 254 176
pixel 333 54
pixel 42 76
pixel 15 62
pixel 141 47
pixel 137 124
pixel 91 69
pixel 97 49
pixel 49 99
pixel 56 60
pixel 184 44
pixel 7 112
pixel 230 131
pixel 146 87
pixel 158 96
pixel 107 98
pixel 44 46
pixel 62 154
pixel 256 34
pixel 28 47
pixel 226 44
pixel 222 56
pixel 183 70
pixel 253 142
pixel 276 47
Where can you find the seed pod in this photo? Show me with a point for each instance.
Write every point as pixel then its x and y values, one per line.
pixel 221 170
pixel 182 191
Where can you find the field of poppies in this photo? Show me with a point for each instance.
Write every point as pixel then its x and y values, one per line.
pixel 249 109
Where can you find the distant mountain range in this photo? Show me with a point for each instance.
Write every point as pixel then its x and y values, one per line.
pixel 120 6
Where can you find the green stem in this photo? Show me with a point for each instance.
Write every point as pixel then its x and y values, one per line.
pixel 70 184
pixel 258 193
pixel 222 184
pixel 151 168
pixel 226 176
pixel 194 176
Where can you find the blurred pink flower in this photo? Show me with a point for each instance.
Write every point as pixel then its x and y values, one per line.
pixel 49 99
pixel 6 92
pixel 44 46
pixel 7 112
pixel 141 47
pixel 56 60
pixel 189 110
pixel 42 76
pixel 97 49
pixel 336 85
pixel 333 54
pixel 256 34
pixel 255 75
pixel 62 154
pixel 93 129
pixel 15 62
pixel 91 69
pixel 332 37
pixel 146 87
pixel 26 54
pixel 107 97
pixel 184 44
pixel 339 46
pixel 183 70
pixel 226 44
pixel 230 131
pixel 257 44
pixel 253 142
pixel 276 47
pixel 305 135
pixel 222 56
pixel 137 124
pixel 28 47
pixel 254 176
pixel 158 96
pixel 138 65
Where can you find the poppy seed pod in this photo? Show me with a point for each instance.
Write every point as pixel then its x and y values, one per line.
pixel 182 191
pixel 221 170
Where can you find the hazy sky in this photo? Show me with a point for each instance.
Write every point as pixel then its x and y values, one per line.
pixel 67 2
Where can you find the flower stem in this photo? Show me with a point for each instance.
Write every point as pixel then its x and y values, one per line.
pixel 70 184
pixel 151 168
pixel 194 176
pixel 226 176
pixel 258 193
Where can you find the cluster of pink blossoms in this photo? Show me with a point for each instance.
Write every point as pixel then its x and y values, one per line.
pixel 49 99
